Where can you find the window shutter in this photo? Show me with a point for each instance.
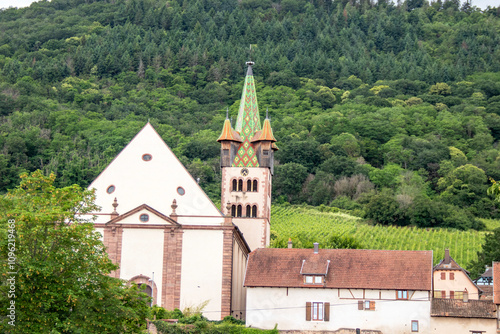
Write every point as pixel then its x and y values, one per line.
pixel 372 305
pixel 308 311
pixel 443 294
pixel 443 276
pixel 360 304
pixel 452 276
pixel 452 294
pixel 327 312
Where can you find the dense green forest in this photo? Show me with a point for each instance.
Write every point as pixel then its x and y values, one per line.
pixel 390 111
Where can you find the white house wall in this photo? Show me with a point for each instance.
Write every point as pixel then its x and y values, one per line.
pixel 142 253
pixel 449 325
pixel 267 307
pixel 202 270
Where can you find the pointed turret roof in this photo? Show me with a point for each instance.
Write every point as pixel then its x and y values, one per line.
pixel 228 133
pixel 248 122
pixel 265 134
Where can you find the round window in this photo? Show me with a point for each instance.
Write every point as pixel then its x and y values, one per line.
pixel 110 189
pixel 147 157
pixel 181 191
pixel 144 218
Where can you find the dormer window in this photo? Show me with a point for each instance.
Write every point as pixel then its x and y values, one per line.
pixel 313 279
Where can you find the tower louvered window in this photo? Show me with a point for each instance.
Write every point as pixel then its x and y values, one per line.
pixel 238 211
pixel 235 185
pixel 248 211
pixel 254 211
pixel 255 184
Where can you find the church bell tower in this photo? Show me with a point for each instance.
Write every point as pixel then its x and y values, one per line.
pixel 247 162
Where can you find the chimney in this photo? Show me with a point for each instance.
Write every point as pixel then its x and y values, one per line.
pixel 316 248
pixel 466 296
pixel 447 256
pixel 290 245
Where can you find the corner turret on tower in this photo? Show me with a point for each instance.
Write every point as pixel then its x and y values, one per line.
pixel 230 141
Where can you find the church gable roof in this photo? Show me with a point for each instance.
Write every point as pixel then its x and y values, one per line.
pixel 147 171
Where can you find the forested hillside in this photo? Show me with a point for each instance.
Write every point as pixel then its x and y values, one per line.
pixel 390 111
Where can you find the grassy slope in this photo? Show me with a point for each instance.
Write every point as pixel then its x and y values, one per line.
pixel 294 221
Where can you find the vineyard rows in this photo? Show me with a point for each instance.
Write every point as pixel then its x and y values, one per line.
pixel 301 223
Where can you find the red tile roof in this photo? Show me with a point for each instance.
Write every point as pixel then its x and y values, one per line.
pixel 457 308
pixel 348 268
pixel 496 282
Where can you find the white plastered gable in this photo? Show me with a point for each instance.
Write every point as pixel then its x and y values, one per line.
pixel 155 182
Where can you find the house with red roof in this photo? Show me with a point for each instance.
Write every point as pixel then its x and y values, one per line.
pixel 458 303
pixel 350 290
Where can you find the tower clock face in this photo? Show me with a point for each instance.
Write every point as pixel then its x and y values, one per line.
pixel 244 172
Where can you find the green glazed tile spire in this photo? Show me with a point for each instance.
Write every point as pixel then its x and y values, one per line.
pixel 248 122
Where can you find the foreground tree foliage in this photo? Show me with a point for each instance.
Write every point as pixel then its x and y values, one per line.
pixel 487 255
pixel 61 281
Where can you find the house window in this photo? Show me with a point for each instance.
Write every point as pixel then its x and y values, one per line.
pixel 402 294
pixel 438 294
pixel 368 305
pixel 458 294
pixel 317 311
pixel 255 183
pixel 443 276
pixel 144 218
pixel 248 211
pixel 254 211
pixel 414 325
pixel 313 280
pixel 452 276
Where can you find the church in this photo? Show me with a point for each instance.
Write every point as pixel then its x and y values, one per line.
pixel 163 231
